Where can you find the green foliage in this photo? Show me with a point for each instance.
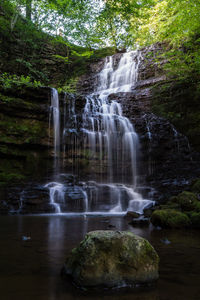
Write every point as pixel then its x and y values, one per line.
pixel 8 81
pixel 69 86
pixel 62 58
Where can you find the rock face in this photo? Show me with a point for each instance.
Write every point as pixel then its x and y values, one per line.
pixel 112 258
pixel 23 132
pixel 166 162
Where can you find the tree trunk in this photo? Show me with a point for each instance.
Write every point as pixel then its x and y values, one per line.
pixel 28 9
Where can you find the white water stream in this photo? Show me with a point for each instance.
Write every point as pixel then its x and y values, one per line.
pixel 110 139
pixel 111 136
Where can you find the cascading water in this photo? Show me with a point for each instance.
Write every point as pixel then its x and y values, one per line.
pixel 111 137
pixel 110 144
pixel 55 115
pixel 55 188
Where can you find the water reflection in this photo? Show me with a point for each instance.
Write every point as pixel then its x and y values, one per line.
pixel 31 269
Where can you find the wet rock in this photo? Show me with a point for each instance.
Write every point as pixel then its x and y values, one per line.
pixel 111 226
pixel 148 212
pixel 4 208
pixel 131 214
pixel 32 199
pixel 165 241
pixel 112 258
pixel 142 221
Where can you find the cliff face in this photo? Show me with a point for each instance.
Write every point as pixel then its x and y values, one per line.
pixel 168 162
pixel 24 129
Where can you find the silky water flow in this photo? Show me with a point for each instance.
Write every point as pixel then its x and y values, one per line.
pixel 112 144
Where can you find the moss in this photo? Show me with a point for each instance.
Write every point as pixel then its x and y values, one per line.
pixel 187 201
pixel 170 205
pixel 20 131
pixel 15 102
pixel 170 218
pixel 195 219
pixel 10 177
pixel 196 186
pixel 112 257
pixel 178 101
pixel 11 171
pixel 197 207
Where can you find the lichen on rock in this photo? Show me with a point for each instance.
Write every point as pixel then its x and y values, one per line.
pixel 112 258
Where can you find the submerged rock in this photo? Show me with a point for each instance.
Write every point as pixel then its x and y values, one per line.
pixel 142 221
pixel 112 258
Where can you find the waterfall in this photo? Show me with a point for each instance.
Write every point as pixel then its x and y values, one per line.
pixel 56 192
pixel 55 113
pixel 109 142
pixel 111 137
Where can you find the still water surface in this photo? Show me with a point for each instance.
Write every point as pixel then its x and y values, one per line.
pixel 31 269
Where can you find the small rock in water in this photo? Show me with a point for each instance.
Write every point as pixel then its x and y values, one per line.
pixel 111 226
pixel 148 212
pixel 132 214
pixel 26 238
pixel 112 259
pixel 141 221
pixel 165 241
pixel 158 228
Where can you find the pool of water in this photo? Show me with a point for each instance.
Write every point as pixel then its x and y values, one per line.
pixel 30 269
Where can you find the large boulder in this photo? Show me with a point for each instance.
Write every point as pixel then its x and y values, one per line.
pixel 112 258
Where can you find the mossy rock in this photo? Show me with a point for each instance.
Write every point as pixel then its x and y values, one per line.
pixel 170 218
pixel 195 219
pixel 197 207
pixel 187 201
pixel 112 258
pixel 196 186
pixel 171 205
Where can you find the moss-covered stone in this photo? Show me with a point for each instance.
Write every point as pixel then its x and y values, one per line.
pixel 112 258
pixel 171 205
pixel 187 201
pixel 195 219
pixel 196 186
pixel 170 218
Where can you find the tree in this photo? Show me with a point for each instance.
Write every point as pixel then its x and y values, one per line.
pixel 28 9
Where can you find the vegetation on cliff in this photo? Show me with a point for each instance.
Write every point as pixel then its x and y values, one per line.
pixel 39 37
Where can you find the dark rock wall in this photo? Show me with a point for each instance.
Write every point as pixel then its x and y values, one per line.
pixel 167 160
pixel 24 133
